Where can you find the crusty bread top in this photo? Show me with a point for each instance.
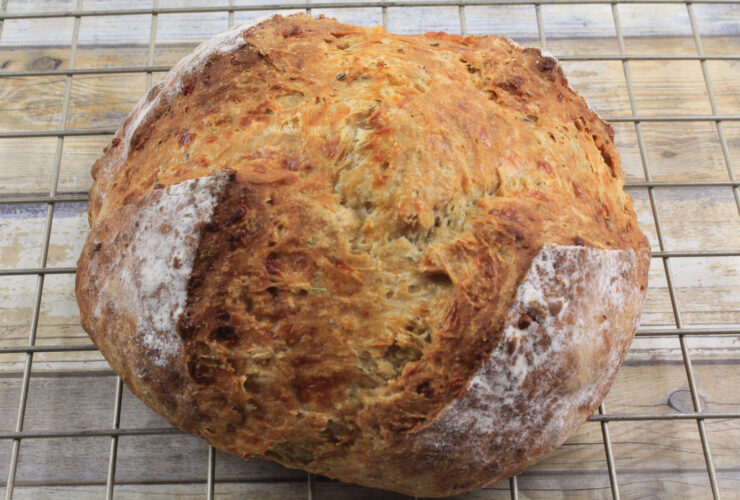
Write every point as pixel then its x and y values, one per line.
pixel 386 196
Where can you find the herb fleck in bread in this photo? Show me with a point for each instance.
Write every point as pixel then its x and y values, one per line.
pixel 401 261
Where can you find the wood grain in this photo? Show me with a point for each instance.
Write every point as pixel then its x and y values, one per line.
pixel 266 491
pixel 27 164
pixel 688 151
pixel 30 103
pixel 103 101
pixel 78 155
pixel 732 132
pixel 531 487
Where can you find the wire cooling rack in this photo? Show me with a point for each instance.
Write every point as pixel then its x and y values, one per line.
pixel 698 302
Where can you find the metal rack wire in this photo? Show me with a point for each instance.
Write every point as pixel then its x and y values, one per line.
pixel 666 257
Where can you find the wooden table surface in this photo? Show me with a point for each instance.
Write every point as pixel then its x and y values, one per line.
pixel 74 391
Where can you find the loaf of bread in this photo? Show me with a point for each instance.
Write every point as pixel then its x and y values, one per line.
pixel 401 261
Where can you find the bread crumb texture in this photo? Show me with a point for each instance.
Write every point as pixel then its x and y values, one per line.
pixel 402 261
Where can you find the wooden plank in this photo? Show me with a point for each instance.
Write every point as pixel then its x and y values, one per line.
pixel 717 20
pixel 182 457
pixel 112 55
pixel 59 460
pixel 723 436
pixel 44 32
pixel 78 156
pixel 518 22
pixel 601 83
pixel 68 233
pixel 340 491
pixel 588 21
pixel 88 56
pixel 191 27
pixel 720 44
pixel 669 486
pixel 563 22
pixel 660 486
pixel 103 101
pixel 26 6
pixel 171 53
pixel 653 485
pixel 657 310
pixel 251 15
pixel 696 219
pixel 732 133
pixel 581 46
pixel 135 414
pixel 643 210
pixel 699 219
pixel 16 307
pixel 233 468
pixel 667 390
pixel 271 491
pixel 725 82
pixel 683 152
pixel 370 17
pixel 708 289
pixel 51 362
pixel 27 164
pixel 33 58
pixel 582 453
pixel 21 240
pixel 669 87
pixel 10 392
pixel 638 22
pixel 410 20
pixel 161 458
pixel 655 446
pixel 96 31
pixel 6 448
pixel 58 306
pixel 625 137
pixel 31 103
pixel 70 402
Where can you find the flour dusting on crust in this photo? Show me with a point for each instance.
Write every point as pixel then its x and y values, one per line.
pixel 556 358
pixel 223 43
pixel 512 42
pixel 547 53
pixel 150 274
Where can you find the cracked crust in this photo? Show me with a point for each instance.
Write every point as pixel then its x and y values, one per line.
pixel 398 252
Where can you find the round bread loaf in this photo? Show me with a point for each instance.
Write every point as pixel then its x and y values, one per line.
pixel 401 261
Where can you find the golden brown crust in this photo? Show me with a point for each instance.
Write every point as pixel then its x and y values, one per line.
pixel 564 338
pixel 370 206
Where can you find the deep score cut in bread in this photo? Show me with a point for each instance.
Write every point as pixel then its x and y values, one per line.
pixel 401 261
